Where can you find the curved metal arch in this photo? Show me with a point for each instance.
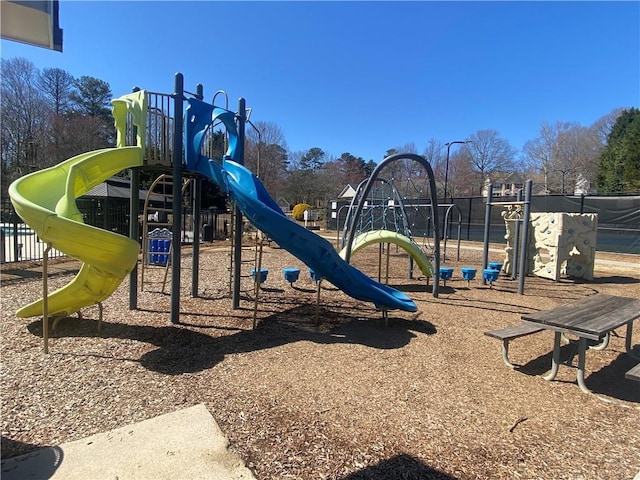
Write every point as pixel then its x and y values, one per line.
pixel 402 241
pixel 446 228
pixel 359 189
pixel 434 201
pixel 226 98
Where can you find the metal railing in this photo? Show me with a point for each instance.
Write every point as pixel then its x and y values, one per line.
pixel 18 242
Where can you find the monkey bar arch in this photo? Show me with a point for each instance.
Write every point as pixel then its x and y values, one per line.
pixel 434 201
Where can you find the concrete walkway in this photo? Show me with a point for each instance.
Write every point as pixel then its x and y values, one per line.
pixel 181 445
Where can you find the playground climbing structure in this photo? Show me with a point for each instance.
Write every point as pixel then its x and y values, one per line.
pixel 157 133
pixel 378 214
pixel 559 244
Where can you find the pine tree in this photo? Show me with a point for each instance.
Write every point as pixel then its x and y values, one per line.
pixel 619 169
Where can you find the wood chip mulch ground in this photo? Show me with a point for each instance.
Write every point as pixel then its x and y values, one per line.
pixel 426 397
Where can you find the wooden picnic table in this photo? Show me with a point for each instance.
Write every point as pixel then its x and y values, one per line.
pixel 591 320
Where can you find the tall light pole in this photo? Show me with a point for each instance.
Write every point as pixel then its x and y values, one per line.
pixel 446 168
pixel 259 147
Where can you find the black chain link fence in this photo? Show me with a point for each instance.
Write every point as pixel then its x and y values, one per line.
pixel 618 221
pixel 18 242
pixel 618 217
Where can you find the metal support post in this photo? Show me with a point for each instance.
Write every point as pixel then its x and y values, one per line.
pixel 237 250
pixel 134 225
pixel 134 234
pixel 178 99
pixel 516 240
pixel 45 298
pixel 522 270
pixel 487 231
pixel 197 194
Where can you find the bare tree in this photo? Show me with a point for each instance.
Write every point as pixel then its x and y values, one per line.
pixel 602 127
pixel 24 114
pixel 332 178
pixel 578 155
pixel 564 151
pixel 540 152
pixel 314 178
pixel 295 188
pixel 488 153
pixel 594 140
pixel 57 85
pixel 401 172
pixel 266 154
pixel 434 154
pixel 463 178
pixel 552 153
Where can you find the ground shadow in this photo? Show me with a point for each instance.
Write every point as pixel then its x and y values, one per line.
pixel 271 290
pixel 418 288
pixel 609 380
pixel 184 350
pixel 489 304
pixel 306 290
pixel 612 279
pixel 42 463
pixel 400 467
pixel 542 364
pixel 15 447
pixel 20 275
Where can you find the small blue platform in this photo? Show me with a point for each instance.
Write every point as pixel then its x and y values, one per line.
pixel 468 273
pixel 495 265
pixel 291 274
pixel 446 273
pixel 490 275
pixel 314 276
pixel 262 277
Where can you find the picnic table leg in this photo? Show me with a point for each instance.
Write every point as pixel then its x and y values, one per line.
pixel 627 341
pixel 505 353
pixel 582 353
pixel 604 344
pixel 555 360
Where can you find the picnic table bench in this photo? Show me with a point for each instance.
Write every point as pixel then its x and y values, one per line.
pixel 511 333
pixel 634 373
pixel 592 320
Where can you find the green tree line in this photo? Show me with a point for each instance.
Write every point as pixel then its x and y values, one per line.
pixel 48 116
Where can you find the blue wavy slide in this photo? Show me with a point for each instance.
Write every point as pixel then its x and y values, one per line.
pixel 264 213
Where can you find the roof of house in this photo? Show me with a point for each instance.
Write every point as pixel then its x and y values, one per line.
pixel 505 177
pixel 347 192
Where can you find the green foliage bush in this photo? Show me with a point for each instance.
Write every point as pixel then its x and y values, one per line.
pixel 298 211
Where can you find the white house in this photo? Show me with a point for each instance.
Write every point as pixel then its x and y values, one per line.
pixel 347 192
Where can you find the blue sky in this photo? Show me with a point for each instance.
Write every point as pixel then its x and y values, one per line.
pixel 364 77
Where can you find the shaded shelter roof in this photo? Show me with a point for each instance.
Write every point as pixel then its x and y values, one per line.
pixel 118 187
